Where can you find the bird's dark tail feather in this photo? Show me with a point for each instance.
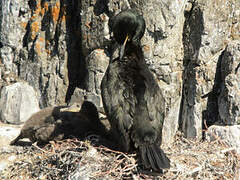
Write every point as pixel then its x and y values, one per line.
pixel 153 157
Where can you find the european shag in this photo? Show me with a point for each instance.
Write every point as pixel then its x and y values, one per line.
pixel 128 25
pixel 135 107
pixel 57 123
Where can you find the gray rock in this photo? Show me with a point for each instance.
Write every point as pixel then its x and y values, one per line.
pixel 203 45
pixel 12 25
pixel 8 133
pixel 94 25
pixel 95 99
pixel 78 96
pixel 18 102
pixel 33 36
pixel 96 63
pixel 229 98
pixel 170 125
pixel 228 135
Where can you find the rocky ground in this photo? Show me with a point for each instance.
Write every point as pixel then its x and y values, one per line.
pixel 74 159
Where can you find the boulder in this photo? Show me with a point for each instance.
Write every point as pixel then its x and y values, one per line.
pixel 228 135
pixel 18 102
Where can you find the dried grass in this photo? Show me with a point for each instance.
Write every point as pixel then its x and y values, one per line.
pixel 62 159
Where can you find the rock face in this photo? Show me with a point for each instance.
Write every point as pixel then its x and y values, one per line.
pixel 18 102
pixel 55 46
pixel 35 46
pixel 206 32
pixel 229 98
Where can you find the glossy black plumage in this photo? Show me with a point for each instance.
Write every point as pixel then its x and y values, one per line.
pixel 135 107
pixel 127 23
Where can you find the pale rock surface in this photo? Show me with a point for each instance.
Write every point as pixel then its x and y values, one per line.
pixel 8 133
pixel 18 102
pixel 96 63
pixel 229 135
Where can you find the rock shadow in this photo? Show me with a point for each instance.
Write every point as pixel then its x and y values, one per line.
pixel 75 63
pixel 192 31
pixel 211 114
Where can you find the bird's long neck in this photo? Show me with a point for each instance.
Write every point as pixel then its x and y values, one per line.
pixel 134 49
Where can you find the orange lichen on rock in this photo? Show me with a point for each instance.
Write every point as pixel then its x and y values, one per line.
pixel 45 6
pixel 146 48
pixel 38 9
pixel 33 17
pixel 64 10
pixel 103 17
pixel 41 39
pixel 48 51
pixel 38 47
pixel 88 25
pixel 24 24
pixel 42 12
pixel 63 18
pixel 56 11
pixel 47 42
pixel 34 29
pixel 99 52
pixel 44 9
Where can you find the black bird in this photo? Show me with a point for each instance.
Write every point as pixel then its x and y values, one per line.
pixel 128 25
pixel 135 107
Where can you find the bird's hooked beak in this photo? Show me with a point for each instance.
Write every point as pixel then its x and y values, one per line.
pixel 122 48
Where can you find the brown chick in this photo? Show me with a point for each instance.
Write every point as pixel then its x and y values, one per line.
pixel 57 123
pixel 44 126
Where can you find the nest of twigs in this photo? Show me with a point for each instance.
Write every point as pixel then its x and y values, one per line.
pixel 73 159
